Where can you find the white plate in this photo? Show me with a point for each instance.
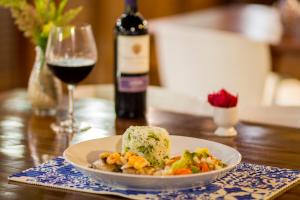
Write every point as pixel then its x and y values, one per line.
pixel 81 155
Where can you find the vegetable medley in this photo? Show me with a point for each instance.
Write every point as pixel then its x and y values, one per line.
pixel 131 163
pixel 193 162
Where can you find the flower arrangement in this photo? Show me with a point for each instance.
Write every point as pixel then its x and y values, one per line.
pixel 36 19
pixel 222 99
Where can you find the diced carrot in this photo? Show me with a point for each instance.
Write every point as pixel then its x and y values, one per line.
pixel 182 171
pixel 204 167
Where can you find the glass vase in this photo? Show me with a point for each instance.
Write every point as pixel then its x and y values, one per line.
pixel 44 90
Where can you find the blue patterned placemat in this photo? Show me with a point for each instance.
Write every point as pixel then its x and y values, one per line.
pixel 247 181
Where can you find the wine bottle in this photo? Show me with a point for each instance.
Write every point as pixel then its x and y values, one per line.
pixel 131 63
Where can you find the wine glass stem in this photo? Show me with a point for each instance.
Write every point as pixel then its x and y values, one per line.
pixel 71 106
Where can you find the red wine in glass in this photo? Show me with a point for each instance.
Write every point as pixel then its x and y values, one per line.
pixel 71 70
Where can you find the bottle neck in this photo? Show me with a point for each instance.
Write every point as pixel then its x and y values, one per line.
pixel 131 6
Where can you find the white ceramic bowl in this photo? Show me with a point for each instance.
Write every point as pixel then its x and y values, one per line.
pixel 81 155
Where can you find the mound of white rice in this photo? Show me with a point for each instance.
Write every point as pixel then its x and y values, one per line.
pixel 151 142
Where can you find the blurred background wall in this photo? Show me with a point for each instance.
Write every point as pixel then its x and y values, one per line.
pixel 17 53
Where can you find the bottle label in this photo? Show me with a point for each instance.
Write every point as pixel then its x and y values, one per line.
pixel 133 84
pixel 133 54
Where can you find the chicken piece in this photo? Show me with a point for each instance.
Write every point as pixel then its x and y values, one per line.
pixel 104 155
pixel 172 160
pixel 114 158
pixel 148 170
pixel 99 164
pixel 129 154
pixel 137 162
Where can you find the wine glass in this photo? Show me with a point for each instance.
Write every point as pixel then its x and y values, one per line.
pixel 71 55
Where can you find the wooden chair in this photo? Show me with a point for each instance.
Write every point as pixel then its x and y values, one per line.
pixel 196 61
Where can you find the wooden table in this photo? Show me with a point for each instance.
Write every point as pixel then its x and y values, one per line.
pixel 26 141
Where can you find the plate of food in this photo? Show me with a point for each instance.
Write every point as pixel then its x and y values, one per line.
pixel 148 158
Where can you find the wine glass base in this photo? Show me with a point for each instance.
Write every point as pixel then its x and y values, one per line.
pixel 68 127
pixel 44 112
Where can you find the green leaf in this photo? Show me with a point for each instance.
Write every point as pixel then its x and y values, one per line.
pixel 61 7
pixel 45 9
pixel 12 3
pixel 52 11
pixel 40 6
pixel 69 16
pixel 46 29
